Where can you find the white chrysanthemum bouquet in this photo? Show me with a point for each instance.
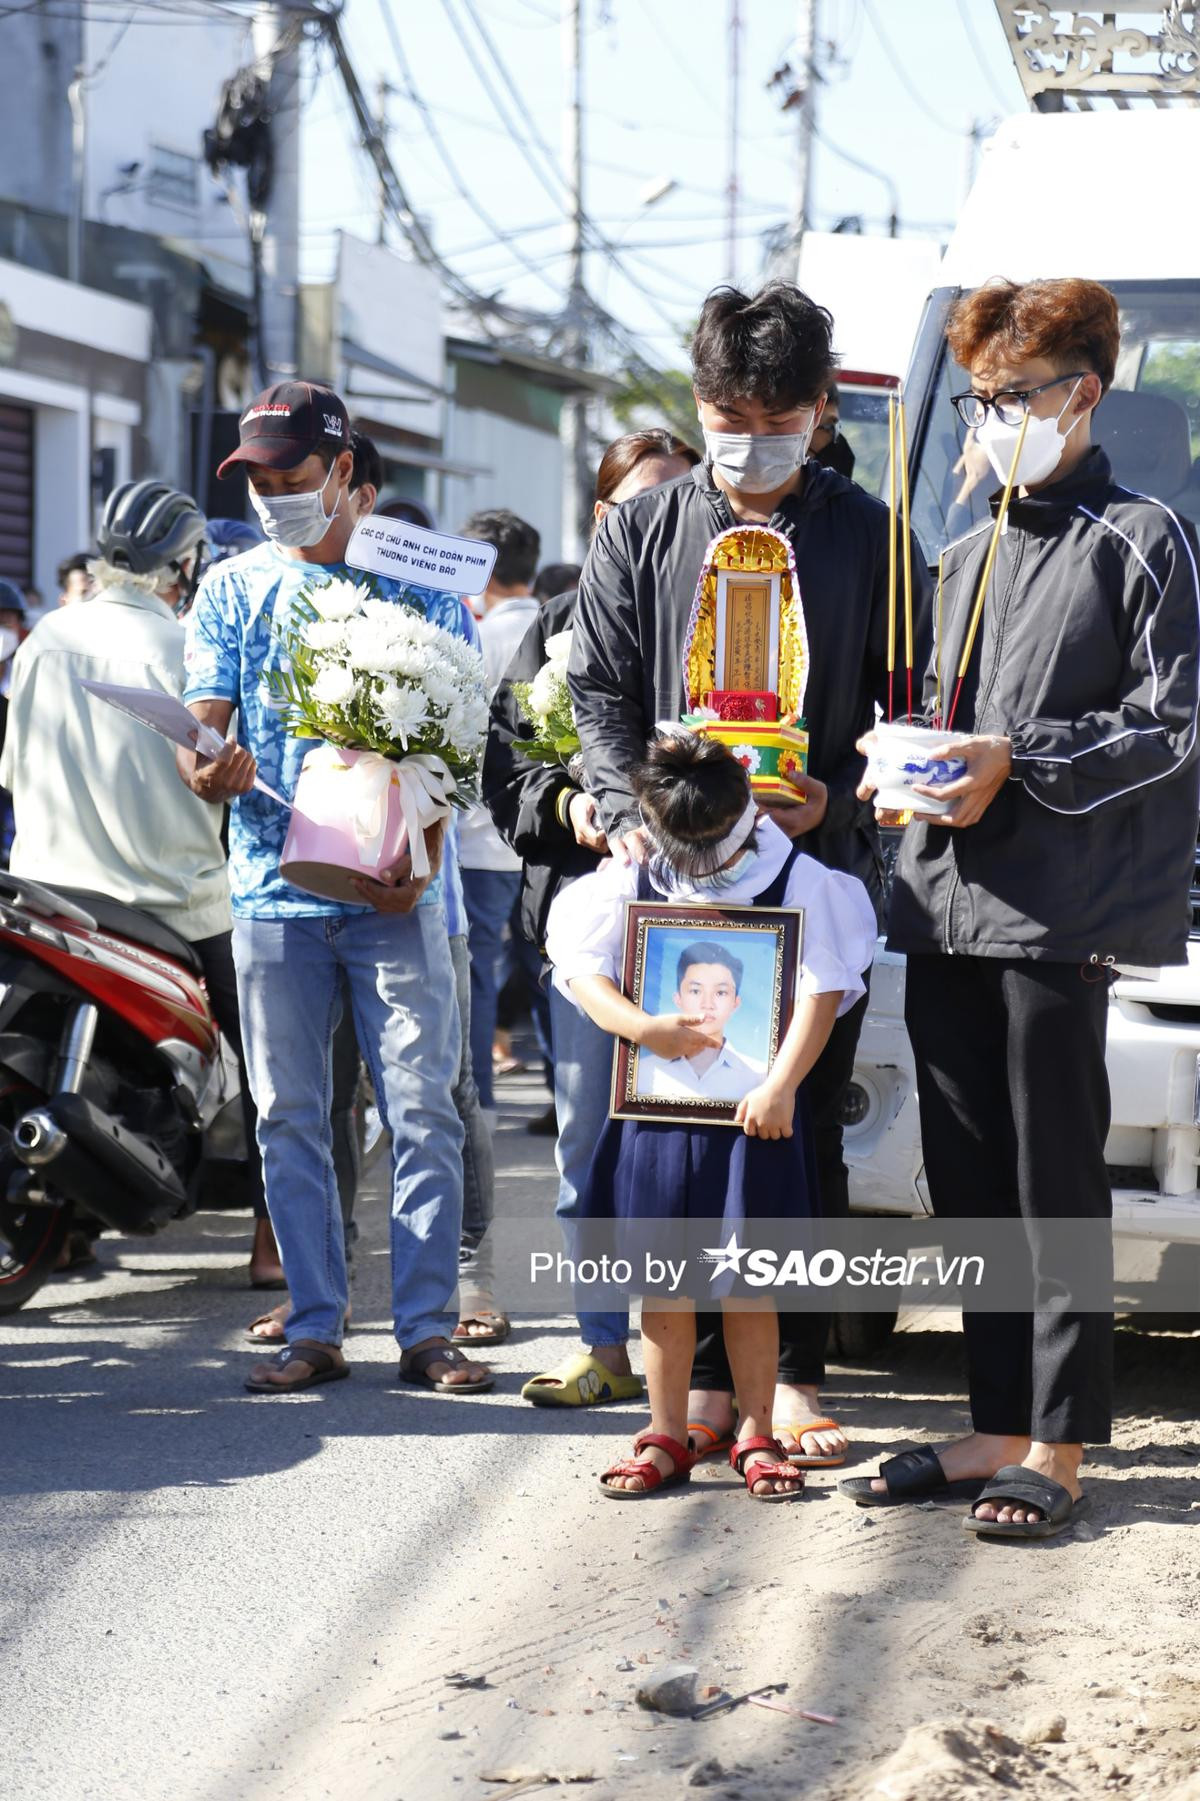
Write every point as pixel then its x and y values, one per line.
pixel 400 705
pixel 546 705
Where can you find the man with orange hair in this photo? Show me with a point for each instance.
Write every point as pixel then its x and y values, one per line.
pixel 1067 855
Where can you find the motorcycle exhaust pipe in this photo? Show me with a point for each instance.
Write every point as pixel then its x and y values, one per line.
pixel 94 1161
pixel 39 1139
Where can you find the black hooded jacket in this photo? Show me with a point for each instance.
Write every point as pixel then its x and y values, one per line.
pixel 1088 658
pixel 635 595
pixel 527 799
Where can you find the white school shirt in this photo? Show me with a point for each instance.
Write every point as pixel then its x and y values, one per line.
pixel 96 797
pixel 729 1077
pixel 501 630
pixel 585 933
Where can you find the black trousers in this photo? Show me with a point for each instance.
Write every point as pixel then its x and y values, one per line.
pixel 216 956
pixel 802 1336
pixel 1014 1107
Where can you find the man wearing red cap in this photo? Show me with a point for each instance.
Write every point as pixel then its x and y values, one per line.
pixel 292 948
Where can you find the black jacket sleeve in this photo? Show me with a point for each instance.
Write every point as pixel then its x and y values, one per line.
pixel 606 677
pixel 522 796
pixel 1149 730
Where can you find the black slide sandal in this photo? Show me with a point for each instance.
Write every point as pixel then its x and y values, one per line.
pixel 911 1476
pixel 1027 1488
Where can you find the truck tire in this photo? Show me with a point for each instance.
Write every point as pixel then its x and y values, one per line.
pixel 860 1337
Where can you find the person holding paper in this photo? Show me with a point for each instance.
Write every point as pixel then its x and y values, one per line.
pixel 292 949
pixel 1071 658
pixel 96 799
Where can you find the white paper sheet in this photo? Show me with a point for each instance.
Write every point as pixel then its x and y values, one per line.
pixel 164 714
pixel 409 553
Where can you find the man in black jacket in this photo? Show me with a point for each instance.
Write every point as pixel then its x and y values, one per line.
pixel 761 370
pixel 1067 854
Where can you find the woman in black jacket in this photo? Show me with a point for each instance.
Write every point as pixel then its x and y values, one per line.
pixel 553 826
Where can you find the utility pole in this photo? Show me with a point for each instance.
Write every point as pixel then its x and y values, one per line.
pixel 277 50
pixel 76 100
pixel 577 493
pixel 795 81
pixel 806 114
pixel 731 187
pixel 975 134
pixel 383 91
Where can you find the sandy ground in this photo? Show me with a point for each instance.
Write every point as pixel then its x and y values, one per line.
pixel 213 1598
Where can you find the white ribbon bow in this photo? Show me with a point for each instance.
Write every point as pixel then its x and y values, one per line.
pixel 425 785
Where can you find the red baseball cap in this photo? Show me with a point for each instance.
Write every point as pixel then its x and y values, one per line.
pixel 286 423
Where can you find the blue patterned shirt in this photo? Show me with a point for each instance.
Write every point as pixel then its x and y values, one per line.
pixel 231 643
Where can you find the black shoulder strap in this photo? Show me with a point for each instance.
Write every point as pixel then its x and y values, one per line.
pixel 773 896
pixel 645 889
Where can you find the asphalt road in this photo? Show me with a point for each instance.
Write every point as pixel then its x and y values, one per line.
pixel 212 1597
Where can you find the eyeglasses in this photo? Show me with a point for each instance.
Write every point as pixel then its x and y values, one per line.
pixel 1010 405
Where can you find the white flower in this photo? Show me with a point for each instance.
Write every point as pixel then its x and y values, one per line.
pixel 339 599
pixel 546 691
pixel 334 686
pixel 325 634
pixel 371 646
pixel 441 686
pixel 402 711
pixel 558 649
pixel 465 725
pixel 749 756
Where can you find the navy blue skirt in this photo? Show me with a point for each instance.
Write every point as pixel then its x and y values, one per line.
pixel 662 1191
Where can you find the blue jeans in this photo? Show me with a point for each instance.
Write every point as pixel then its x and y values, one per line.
pixel 401 988
pixel 582 1083
pixel 489 896
pixel 479 1163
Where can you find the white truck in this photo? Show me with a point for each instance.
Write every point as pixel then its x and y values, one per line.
pixel 1106 194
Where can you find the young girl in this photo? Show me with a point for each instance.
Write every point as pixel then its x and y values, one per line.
pixel 708 847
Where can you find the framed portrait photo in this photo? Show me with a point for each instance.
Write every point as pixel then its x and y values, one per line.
pixel 735 967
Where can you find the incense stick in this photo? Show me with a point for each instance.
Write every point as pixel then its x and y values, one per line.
pixel 891 629
pixel 908 596
pixel 986 573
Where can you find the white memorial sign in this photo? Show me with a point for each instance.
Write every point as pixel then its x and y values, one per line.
pixel 410 553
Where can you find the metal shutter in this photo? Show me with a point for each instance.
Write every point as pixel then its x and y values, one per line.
pixel 16 493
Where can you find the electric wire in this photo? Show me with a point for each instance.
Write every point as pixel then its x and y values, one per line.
pixel 440 147
pixel 1004 100
pixel 903 77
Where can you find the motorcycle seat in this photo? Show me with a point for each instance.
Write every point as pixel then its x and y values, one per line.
pixel 131 922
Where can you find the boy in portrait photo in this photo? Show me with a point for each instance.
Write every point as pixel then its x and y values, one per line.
pixel 708 993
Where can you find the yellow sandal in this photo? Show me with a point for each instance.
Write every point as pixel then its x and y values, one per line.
pixel 581 1381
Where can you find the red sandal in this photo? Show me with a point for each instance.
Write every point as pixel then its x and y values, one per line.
pixel 761 1469
pixel 650 1473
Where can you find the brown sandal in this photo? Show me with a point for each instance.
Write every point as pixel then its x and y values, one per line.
pixel 498 1327
pixel 325 1368
pixel 414 1366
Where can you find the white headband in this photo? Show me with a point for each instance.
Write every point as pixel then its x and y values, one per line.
pixel 711 856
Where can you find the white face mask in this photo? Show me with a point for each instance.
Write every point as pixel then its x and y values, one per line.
pixel 723 879
pixel 757 462
pixel 1041 452
pixel 295 520
pixel 10 637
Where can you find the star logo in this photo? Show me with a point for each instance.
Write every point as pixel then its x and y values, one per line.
pixel 727 1256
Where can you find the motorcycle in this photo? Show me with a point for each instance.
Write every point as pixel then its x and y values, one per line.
pixel 119 1098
